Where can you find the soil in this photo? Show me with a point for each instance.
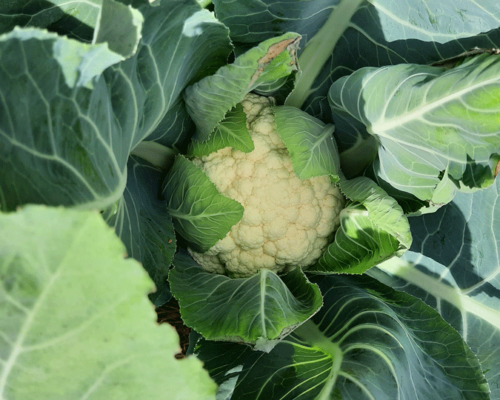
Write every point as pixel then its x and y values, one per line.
pixel 169 313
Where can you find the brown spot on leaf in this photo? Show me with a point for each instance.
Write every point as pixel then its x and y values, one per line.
pixel 274 50
pixel 497 169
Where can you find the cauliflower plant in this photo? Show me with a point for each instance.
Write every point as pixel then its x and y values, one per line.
pixel 287 221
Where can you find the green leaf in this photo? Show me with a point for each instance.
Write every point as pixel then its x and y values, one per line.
pixel 360 152
pixel 119 26
pixel 310 143
pixel 201 214
pixel 73 148
pixel 408 202
pixel 231 132
pixel 163 67
pixel 453 265
pixel 175 129
pixel 278 89
pixel 427 120
pixel 377 33
pixel 55 155
pixel 140 221
pixel 78 63
pixel 209 100
pixel 319 49
pixel 367 342
pixel 262 308
pixel 373 228
pixel 76 322
pixel 76 19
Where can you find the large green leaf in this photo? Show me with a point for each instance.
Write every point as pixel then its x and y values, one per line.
pixel 140 220
pixel 175 129
pixel 428 121
pixel 367 342
pixel 251 310
pixel 372 229
pixel 55 155
pixel 62 143
pixel 119 26
pixel 201 214
pixel 74 316
pixel 309 141
pixel 355 34
pixel 76 19
pixel 210 99
pixel 454 266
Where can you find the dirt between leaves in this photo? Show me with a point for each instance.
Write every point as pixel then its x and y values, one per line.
pixel 169 313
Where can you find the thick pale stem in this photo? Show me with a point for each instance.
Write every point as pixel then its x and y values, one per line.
pixel 319 49
pixel 155 153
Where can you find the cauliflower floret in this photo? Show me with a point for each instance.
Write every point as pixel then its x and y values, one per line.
pixel 286 222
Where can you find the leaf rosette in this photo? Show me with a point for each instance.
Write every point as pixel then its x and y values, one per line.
pixel 373 228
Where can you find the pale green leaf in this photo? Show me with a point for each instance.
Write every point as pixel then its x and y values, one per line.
pixel 309 141
pixel 75 319
pixel 231 132
pixel 427 120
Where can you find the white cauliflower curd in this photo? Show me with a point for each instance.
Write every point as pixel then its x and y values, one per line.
pixel 287 221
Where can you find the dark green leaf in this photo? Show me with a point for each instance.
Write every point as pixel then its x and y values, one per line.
pixel 201 214
pixel 73 148
pixel 259 309
pixel 120 27
pixel 141 222
pixel 453 265
pixel 356 34
pixel 77 19
pixel 367 342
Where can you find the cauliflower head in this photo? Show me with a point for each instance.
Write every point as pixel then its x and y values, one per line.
pixel 287 221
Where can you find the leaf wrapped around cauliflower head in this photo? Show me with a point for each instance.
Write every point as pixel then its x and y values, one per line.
pixel 287 222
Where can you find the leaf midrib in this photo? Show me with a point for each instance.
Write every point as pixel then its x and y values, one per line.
pixel 17 347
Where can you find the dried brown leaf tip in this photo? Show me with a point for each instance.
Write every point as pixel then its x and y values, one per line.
pixel 290 45
pixel 497 169
pixel 277 48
